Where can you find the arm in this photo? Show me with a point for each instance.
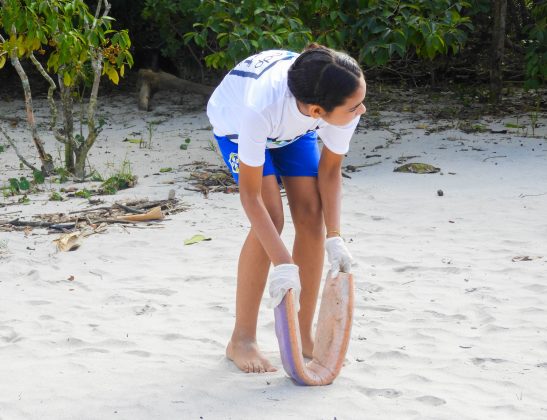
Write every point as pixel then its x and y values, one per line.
pixel 330 189
pixel 250 191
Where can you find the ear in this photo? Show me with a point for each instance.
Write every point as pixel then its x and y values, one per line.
pixel 316 111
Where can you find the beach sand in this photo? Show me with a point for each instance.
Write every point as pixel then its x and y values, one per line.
pixel 450 319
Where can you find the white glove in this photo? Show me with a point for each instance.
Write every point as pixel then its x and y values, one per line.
pixel 339 257
pixel 283 278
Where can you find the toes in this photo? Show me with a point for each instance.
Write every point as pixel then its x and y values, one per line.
pixel 256 367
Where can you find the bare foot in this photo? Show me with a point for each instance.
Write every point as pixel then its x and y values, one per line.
pixel 247 357
pixel 307 347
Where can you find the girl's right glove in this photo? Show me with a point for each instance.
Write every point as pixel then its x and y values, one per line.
pixel 283 278
pixel 338 255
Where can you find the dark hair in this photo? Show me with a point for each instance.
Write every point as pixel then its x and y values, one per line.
pixel 322 76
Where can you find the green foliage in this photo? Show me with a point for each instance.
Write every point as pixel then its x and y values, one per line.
pixel 18 185
pixel 184 146
pixel 121 180
pixel 21 185
pixel 228 30
pixel 55 196
pixel 83 193
pixel 67 34
pixel 95 176
pixel 375 31
pixel 2 148
pixel 63 175
pixel 38 177
pixel 536 47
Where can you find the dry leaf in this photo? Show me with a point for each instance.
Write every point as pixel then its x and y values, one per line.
pixel 153 214
pixel 69 241
pixel 195 239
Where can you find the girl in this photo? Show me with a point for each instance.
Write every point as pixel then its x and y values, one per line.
pixel 266 115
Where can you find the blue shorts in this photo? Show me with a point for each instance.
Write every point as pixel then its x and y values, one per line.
pixel 299 158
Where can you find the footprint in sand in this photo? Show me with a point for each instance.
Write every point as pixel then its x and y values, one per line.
pixel 38 302
pixel 479 361
pixel 139 353
pixel 173 337
pixel 381 308
pixel 141 310
pixel 388 355
pixel 8 335
pixel 381 392
pixel 431 400
pixel 162 292
pixel 92 350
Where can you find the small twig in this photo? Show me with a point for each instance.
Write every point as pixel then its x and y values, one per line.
pixel 531 195
pixel 125 222
pixel 90 210
pixel 407 282
pixel 17 222
pixel 129 209
pixel 12 212
pixel 493 157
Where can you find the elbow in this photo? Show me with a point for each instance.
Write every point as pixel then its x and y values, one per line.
pixel 249 200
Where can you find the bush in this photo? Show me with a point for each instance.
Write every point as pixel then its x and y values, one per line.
pixel 536 47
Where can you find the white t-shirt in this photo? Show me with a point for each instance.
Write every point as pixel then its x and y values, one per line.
pixel 254 107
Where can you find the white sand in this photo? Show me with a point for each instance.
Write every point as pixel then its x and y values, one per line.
pixel 446 326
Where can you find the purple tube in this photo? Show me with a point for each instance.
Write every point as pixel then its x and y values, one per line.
pixel 283 337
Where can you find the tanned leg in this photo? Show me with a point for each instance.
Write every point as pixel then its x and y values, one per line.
pixel 252 274
pixel 308 249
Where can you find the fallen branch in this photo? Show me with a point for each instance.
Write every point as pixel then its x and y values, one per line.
pixel 149 82
pixel 19 155
pixel 129 209
pixel 101 215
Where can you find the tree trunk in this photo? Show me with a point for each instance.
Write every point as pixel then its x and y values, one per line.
pixel 79 166
pixel 496 55
pixel 45 158
pixel 68 125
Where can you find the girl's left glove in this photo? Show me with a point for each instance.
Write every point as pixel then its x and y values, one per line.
pixel 338 255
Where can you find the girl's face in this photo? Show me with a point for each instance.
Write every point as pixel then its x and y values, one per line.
pixel 350 109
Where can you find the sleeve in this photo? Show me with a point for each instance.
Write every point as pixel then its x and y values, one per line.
pixel 253 133
pixel 337 138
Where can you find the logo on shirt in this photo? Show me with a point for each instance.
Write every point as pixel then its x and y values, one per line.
pixel 258 64
pixel 234 162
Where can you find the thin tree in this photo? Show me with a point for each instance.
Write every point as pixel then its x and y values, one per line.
pixel 81 47
pixel 499 11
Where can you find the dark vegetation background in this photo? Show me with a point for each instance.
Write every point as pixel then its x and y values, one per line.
pixel 424 44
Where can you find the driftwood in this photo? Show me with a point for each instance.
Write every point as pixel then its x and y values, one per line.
pixel 149 82
pixel 98 215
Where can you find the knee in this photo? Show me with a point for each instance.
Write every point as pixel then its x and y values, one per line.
pixel 308 218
